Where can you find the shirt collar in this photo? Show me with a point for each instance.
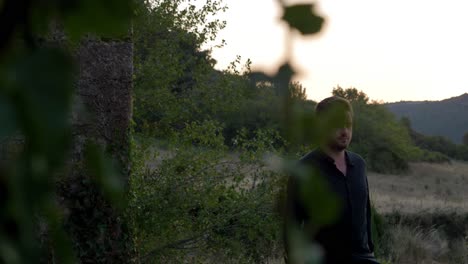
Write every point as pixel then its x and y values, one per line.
pixel 349 161
pixel 329 159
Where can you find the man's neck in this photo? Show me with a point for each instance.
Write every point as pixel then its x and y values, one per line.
pixel 336 155
pixel 339 158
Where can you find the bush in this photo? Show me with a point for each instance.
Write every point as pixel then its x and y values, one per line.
pixel 202 201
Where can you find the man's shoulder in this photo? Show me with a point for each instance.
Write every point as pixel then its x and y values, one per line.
pixel 310 157
pixel 316 155
pixel 356 158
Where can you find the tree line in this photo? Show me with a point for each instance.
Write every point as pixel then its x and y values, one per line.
pixel 176 84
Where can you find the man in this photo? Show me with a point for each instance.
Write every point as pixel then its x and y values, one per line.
pixel 348 238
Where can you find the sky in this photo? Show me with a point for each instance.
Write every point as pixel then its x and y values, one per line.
pixel 392 50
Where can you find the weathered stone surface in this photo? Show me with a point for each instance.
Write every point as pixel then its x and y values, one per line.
pixel 101 114
pixel 103 93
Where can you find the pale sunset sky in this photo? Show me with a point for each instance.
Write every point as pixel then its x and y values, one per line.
pixel 392 50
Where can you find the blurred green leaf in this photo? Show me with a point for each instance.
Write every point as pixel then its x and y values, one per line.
pixel 303 18
pixel 320 202
pixel 36 86
pixel 282 79
pixel 43 84
pixel 103 171
pixel 257 77
pixel 302 249
pixel 107 18
pixel 9 119
pixel 64 252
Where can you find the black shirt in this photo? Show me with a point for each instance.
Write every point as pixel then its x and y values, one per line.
pixel 351 232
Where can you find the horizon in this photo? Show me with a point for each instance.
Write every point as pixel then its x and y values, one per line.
pixel 398 52
pixel 437 100
pixel 405 101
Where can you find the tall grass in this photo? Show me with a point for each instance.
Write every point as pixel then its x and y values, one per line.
pixel 407 244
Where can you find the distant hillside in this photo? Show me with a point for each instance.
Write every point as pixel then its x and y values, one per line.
pixel 448 118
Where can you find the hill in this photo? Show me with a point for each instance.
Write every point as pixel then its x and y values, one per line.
pixel 447 118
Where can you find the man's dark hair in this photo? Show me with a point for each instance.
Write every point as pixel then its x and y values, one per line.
pixel 333 103
pixel 332 113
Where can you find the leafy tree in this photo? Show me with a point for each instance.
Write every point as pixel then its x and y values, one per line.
pixel 169 62
pixel 191 89
pixel 377 135
pixel 297 91
pixel 352 94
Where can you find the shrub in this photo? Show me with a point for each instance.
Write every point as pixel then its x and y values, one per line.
pixel 201 200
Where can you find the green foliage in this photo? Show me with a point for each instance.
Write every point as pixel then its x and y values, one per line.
pixel 209 200
pixel 377 135
pixel 352 94
pixel 169 95
pixel 104 18
pixel 297 91
pixel 441 145
pixel 169 63
pixel 103 171
pixel 263 140
pixel 39 103
pixel 323 205
pixel 438 148
pixel 36 116
pixel 209 191
pixel 386 143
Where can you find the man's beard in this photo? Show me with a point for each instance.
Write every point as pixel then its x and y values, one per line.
pixel 338 146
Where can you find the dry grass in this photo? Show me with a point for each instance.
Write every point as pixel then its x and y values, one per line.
pixel 414 246
pixel 425 246
pixel 427 187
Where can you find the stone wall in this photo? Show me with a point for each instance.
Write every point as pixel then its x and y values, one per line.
pixel 102 109
pixel 101 114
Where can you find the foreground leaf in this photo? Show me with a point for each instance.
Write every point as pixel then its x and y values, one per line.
pixel 303 18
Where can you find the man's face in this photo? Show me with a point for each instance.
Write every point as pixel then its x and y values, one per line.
pixel 340 137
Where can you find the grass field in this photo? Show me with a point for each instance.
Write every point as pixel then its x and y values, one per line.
pixel 427 213
pixel 426 187
pixel 425 210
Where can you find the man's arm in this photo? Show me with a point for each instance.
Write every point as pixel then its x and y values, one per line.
pixel 369 220
pixel 294 213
